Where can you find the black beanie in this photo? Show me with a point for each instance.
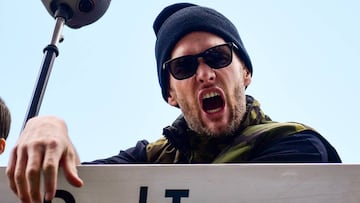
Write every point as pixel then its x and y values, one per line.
pixel 177 20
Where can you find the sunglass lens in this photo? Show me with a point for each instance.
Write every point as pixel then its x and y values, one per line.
pixel 218 57
pixel 183 67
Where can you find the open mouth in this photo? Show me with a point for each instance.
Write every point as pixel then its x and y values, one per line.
pixel 212 102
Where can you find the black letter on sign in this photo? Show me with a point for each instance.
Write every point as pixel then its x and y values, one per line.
pixel 64 195
pixel 176 194
pixel 143 194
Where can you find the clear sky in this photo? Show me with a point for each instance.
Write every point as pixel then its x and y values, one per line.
pixel 305 56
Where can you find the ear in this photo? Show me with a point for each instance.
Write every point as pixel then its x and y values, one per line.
pixel 2 145
pixel 247 77
pixel 172 98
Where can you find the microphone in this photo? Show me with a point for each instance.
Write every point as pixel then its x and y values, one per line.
pixel 77 13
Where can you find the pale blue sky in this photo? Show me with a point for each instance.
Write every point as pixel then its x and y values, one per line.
pixel 305 55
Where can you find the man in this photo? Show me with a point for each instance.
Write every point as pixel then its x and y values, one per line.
pixel 5 121
pixel 203 69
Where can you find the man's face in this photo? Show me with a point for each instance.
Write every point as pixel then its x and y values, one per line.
pixel 212 100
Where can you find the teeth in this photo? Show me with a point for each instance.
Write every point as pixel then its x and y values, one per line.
pixel 210 94
pixel 213 110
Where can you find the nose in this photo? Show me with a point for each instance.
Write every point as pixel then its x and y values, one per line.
pixel 205 73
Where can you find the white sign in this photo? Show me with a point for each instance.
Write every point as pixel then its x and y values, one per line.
pixel 215 183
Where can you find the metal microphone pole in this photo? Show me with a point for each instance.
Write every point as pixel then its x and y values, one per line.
pixel 50 53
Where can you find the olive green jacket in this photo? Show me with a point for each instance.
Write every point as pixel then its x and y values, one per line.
pixel 257 132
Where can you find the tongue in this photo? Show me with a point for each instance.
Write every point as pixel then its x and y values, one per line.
pixel 212 103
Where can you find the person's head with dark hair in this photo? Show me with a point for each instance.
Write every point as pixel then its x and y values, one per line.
pixel 5 121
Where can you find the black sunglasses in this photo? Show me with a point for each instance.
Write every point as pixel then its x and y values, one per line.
pixel 216 57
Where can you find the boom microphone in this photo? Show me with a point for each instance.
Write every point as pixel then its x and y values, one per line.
pixel 78 12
